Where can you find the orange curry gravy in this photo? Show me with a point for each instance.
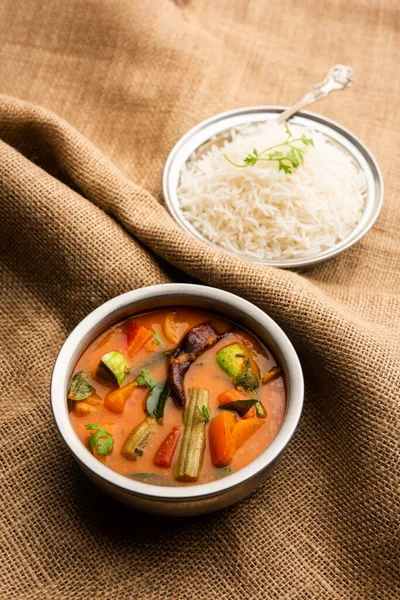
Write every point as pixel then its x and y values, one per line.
pixel 203 373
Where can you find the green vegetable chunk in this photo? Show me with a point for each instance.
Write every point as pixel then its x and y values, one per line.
pixel 156 401
pixel 193 445
pixel 102 441
pixel 138 439
pixel 238 364
pixel 239 406
pixel 112 367
pixel 80 388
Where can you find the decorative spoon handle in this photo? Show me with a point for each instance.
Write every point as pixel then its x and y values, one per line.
pixel 338 78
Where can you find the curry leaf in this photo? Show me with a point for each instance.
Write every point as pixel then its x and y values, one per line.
pixel 156 401
pixel 80 388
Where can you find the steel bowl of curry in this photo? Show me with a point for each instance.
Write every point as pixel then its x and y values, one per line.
pixel 177 399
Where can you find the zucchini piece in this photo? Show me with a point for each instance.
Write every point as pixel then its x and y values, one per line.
pixel 239 406
pixel 193 445
pixel 80 388
pixel 112 367
pixel 239 365
pixel 138 439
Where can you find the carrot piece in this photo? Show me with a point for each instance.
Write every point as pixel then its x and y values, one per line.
pixel 115 400
pixel 229 396
pixel 243 431
pixel 137 336
pixel 169 328
pixel 250 414
pixel 165 453
pixel 220 436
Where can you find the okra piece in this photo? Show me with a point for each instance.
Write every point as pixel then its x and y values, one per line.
pixel 237 362
pixel 138 439
pixel 193 445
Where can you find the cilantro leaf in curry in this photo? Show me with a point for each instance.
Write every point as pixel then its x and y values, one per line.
pixel 146 379
pixel 101 440
pixel 205 413
pixel 157 340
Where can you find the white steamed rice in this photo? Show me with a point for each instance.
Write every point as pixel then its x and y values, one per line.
pixel 264 213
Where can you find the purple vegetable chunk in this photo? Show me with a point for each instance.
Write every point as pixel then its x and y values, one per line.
pixel 197 339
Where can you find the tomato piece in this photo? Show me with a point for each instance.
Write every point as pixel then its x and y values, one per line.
pixel 165 453
pixel 137 336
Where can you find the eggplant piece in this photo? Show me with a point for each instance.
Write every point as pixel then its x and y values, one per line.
pixel 196 340
pixel 239 365
pixel 241 407
pixel 111 368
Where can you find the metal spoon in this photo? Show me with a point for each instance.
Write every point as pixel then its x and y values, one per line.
pixel 338 78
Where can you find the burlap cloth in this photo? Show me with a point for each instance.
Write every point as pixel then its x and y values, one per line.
pixel 82 221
